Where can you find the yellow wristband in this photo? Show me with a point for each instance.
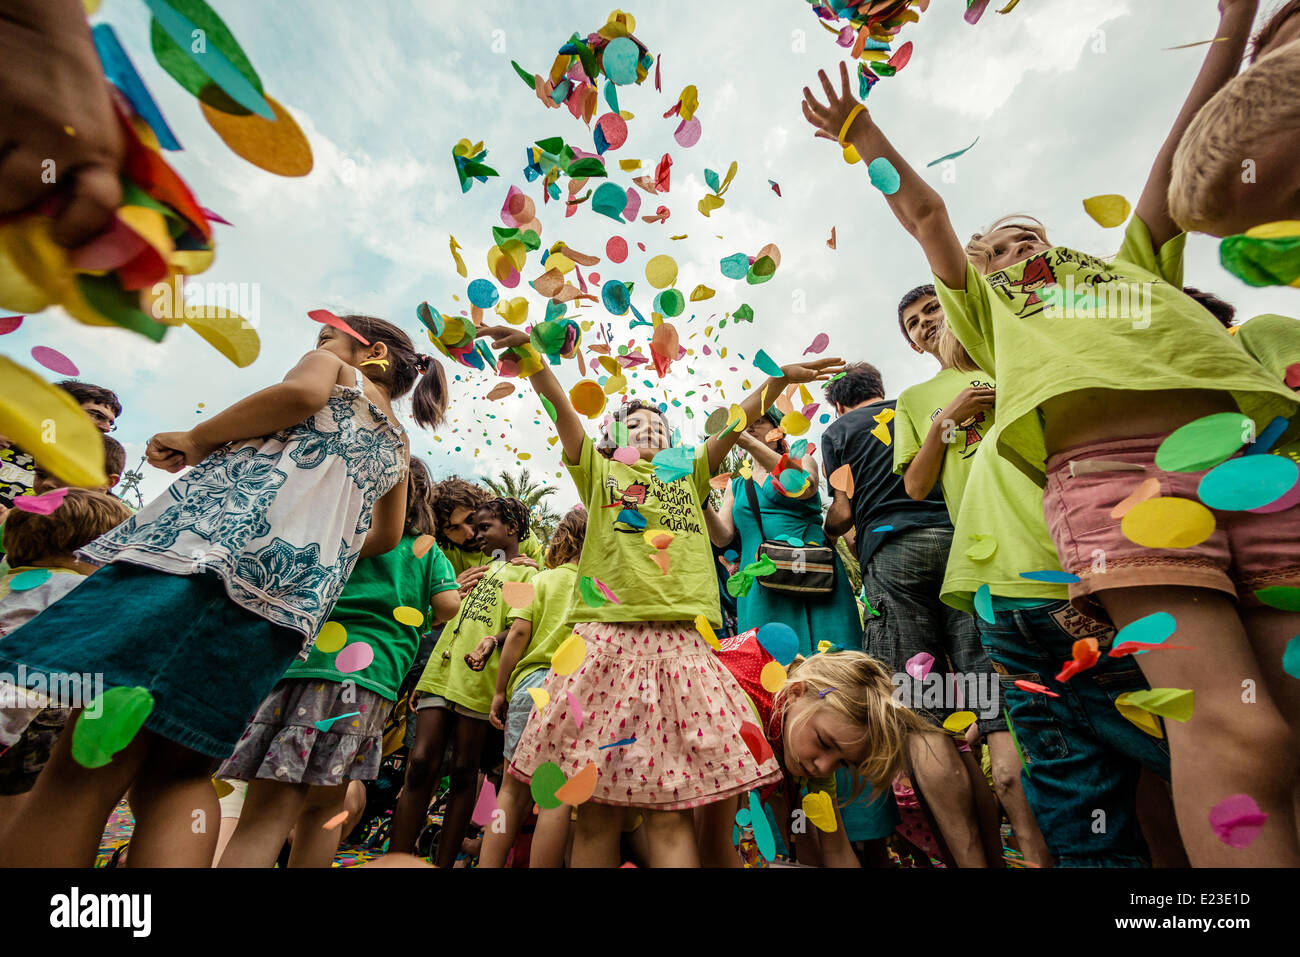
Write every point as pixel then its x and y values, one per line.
pixel 853 115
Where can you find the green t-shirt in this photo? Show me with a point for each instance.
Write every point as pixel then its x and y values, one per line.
pixel 549 616
pixel 482 613
pixel 1274 342
pixel 461 559
pixel 625 504
pixel 917 407
pixel 1097 339
pixel 376 586
pixel 1003 507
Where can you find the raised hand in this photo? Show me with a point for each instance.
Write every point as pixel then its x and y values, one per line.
pixel 503 337
pixel 829 119
pixel 817 371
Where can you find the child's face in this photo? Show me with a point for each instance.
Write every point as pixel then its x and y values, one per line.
pixel 340 344
pixel 648 433
pixel 822 744
pixel 491 534
pixel 760 429
pixel 923 321
pixel 1011 245
pixel 459 529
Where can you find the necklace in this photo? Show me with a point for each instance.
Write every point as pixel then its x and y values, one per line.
pixel 488 580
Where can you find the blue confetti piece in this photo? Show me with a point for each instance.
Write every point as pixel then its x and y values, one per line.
pixel 121 72
pixel 1265 440
pixel 674 463
pixel 482 294
pixel 325 725
pixel 779 640
pixel 883 528
pixel 1053 577
pixel 883 176
pixel 767 364
pixel 762 830
pixel 984 603
pixel 618 744
pixel 1251 481
pixel 1149 630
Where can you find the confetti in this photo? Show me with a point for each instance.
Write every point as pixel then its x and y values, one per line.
pixel 959 721
pixel 1251 481
pixel 779 640
pixel 1173 703
pixel 355 657
pixel 108 724
pixel 580 787
pixel 919 665
pixel 952 156
pixel 27 580
pixel 1237 820
pixel 842 480
pixel 1052 577
pixel 1108 211
pixel 517 594
pixel 618 744
pixel 41 504
pixel 331 638
pixel 819 809
pixel 326 723
pixel 1149 488
pixel 884 176
pixel 1168 522
pixel 460 263
pixel 54 360
pixel 541 697
pixel 546 780
pixel 329 319
pixel 1205 442
pixel 772 677
pixel 1035 687
pixel 569 656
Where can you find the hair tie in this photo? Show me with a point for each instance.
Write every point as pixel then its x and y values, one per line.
pixel 822 694
pixel 422 362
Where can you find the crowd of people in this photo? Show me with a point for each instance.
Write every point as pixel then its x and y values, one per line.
pixel 305 601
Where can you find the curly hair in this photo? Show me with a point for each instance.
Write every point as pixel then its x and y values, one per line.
pixel 420 518
pixel 607 445
pixel 450 494
pixel 510 511
pixel 566 541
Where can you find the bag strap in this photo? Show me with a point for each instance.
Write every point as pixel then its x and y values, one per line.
pixel 753 504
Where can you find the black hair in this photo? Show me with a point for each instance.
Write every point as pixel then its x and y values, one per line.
pixel 920 292
pixel 420 518
pixel 510 511
pixel 114 455
pixel 861 381
pixel 1223 311
pixel 429 401
pixel 86 392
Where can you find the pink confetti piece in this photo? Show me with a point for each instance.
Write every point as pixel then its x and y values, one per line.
pixel 919 665
pixel 328 318
pixel 573 706
pixel 688 133
pixel 487 803
pixel 41 504
pixel 1237 820
pixel 975 10
pixel 9 324
pixel 819 344
pixel 216 217
pixel 627 455
pixel 604 590
pixel 54 360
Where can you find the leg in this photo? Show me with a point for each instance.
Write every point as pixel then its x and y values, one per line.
pixel 595 839
pixel 465 753
pixel 1155 810
pixel 270 809
pixel 63 818
pixel 942 779
pixel 988 816
pixel 1232 744
pixel 314 845
pixel 513 800
pixel 354 802
pixel 176 810
pixel 713 824
pixel 1011 795
pixel 423 767
pixel 671 836
pixel 551 837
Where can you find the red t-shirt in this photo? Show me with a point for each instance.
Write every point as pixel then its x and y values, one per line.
pixel 744 657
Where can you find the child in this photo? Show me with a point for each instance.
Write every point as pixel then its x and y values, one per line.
pixel 241 559
pixel 660 717
pixel 1235 166
pixel 43 549
pixel 940 426
pixel 454 502
pixel 299 762
pixel 538 630
pixel 1084 403
pixel 836 711
pixel 457 685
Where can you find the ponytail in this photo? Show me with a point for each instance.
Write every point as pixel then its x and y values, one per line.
pixel 406 368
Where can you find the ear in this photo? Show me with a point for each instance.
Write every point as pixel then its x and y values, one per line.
pixel 795 689
pixel 915 348
pixel 378 350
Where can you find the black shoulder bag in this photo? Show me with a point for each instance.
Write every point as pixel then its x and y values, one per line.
pixel 806 570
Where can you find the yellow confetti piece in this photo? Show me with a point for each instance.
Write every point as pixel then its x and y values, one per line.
pixel 661 271
pixel 1283 229
pixel 222 787
pixel 50 425
pixel 332 637
pixel 513 311
pixel 228 333
pixel 569 656
pixel 819 809
pixel 1139 716
pixel 455 254
pixel 540 697
pixel 701 292
pixel 1109 211
pixel 1173 703
pixel 959 721
pixel 628 165
pixel 706 632
pixel 1168 522
pixel 409 616
pixel 772 677
pixel 881 432
pixel 795 423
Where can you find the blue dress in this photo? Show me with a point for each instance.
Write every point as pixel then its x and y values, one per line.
pixel 834 618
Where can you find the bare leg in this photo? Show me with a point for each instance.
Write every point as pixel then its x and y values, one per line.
pixel 1234 743
pixel 941 776
pixel 987 812
pixel 595 839
pixel 423 768
pixel 176 810
pixel 63 819
pixel 355 804
pixel 1155 811
pixel 551 837
pixel 1270 630
pixel 1011 795
pixel 314 845
pixel 713 823
pixel 671 835
pixel 10 805
pixel 270 808
pixel 513 800
pixel 465 754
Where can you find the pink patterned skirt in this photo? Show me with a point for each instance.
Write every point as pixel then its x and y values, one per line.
pixel 657 693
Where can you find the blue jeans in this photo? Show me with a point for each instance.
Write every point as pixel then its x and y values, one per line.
pixel 1081 755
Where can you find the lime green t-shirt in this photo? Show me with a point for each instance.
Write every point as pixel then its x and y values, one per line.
pixel 461 559
pixel 627 505
pixel 916 409
pixel 999 533
pixel 1136 330
pixel 1274 342
pixel 549 616
pixel 482 613
pixel 376 586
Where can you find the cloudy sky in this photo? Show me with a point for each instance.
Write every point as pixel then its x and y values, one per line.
pixel 1068 99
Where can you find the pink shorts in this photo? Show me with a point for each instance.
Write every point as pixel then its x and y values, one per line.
pixel 1246 551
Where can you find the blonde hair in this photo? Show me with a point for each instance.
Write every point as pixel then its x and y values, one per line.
pixel 953 354
pixel 980 253
pixel 1229 129
pixel 858 688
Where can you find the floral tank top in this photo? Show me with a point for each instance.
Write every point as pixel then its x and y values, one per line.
pixel 280 518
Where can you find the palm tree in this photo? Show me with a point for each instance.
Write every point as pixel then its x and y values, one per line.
pixel 523 487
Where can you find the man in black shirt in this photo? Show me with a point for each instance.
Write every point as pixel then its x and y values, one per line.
pixel 903 550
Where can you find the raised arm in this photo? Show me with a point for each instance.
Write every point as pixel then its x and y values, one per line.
pixel 770 459
pixel 567 422
pixel 924 470
pixel 1221 64
pixel 721 522
pixel 917 206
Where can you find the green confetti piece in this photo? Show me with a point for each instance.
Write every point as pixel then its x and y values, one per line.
pixel 1291 657
pixel 214 70
pixel 1282 597
pixel 745 312
pixel 1204 443
pixel 983 602
pixel 550 409
pixel 546 780
pixel 1262 262
pixel 951 156
pixel 122 713
pixel 590 593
